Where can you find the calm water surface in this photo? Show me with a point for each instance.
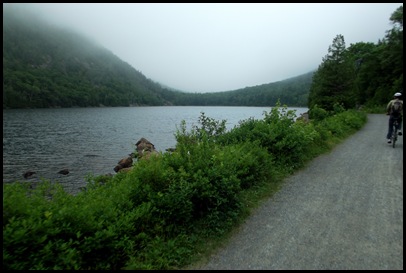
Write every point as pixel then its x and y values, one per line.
pixel 93 140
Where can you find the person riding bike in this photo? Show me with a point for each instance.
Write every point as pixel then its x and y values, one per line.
pixel 393 114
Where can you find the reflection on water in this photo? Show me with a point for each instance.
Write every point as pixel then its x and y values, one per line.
pixel 92 140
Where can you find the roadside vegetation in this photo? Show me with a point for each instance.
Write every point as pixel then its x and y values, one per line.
pixel 171 210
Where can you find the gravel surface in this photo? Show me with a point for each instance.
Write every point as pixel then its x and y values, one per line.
pixel 343 211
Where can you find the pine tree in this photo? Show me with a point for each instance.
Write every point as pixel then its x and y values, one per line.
pixel 332 82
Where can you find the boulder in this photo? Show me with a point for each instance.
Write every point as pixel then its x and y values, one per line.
pixel 28 174
pixel 148 155
pixel 145 148
pixel 304 117
pixel 124 163
pixel 144 145
pixel 64 171
pixel 117 168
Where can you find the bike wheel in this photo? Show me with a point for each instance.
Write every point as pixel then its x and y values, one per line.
pixel 394 137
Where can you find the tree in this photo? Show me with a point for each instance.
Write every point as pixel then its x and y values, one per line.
pixel 333 80
pixel 364 57
pixel 392 57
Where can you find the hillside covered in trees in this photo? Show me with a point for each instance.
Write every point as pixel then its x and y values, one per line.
pixel 45 66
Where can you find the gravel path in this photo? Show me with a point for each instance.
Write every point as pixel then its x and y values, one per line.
pixel 343 211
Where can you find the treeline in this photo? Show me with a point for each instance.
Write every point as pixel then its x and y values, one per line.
pixel 292 92
pixel 45 66
pixel 362 74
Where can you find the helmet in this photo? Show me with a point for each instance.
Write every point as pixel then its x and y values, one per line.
pixel 397 94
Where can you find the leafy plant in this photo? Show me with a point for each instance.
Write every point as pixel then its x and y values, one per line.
pixel 162 213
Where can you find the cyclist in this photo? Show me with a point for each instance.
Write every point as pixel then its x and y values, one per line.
pixel 394 115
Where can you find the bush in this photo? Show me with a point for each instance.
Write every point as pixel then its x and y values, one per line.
pixel 317 113
pixel 162 213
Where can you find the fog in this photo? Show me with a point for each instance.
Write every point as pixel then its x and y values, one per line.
pixel 199 47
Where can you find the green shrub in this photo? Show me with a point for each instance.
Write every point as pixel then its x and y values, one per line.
pixel 317 113
pixel 160 214
pixel 344 123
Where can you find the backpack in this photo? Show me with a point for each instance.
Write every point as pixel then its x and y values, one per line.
pixel 396 108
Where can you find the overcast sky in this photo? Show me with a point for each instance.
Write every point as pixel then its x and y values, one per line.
pixel 199 47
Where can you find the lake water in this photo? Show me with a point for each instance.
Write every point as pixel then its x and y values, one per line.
pixel 92 140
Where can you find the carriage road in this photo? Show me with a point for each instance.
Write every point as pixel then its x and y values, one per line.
pixel 343 211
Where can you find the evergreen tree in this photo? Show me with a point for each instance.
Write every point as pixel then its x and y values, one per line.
pixel 392 57
pixel 333 80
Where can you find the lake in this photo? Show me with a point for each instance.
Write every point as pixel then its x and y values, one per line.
pixel 92 140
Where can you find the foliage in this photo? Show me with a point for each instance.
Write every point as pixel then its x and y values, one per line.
pixel 161 214
pixel 293 91
pixel 344 123
pixel 333 80
pixel 45 66
pixel 362 74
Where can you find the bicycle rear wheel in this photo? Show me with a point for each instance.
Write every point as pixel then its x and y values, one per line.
pixel 394 136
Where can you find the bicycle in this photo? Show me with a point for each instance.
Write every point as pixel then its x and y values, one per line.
pixel 394 136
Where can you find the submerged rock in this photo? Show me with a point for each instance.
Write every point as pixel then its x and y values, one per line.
pixel 64 171
pixel 28 174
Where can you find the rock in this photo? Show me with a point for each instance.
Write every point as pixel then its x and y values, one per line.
pixel 124 163
pixel 64 171
pixel 145 147
pixel 28 174
pixel 117 168
pixel 304 117
pixel 125 170
pixel 148 155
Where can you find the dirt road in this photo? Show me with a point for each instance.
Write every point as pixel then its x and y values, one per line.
pixel 343 211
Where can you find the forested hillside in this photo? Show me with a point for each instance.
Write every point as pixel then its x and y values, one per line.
pixel 45 66
pixel 292 92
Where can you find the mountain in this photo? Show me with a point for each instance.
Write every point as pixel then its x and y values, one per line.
pixel 47 66
pixel 292 92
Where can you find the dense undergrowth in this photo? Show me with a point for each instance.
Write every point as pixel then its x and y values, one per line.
pixel 173 209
